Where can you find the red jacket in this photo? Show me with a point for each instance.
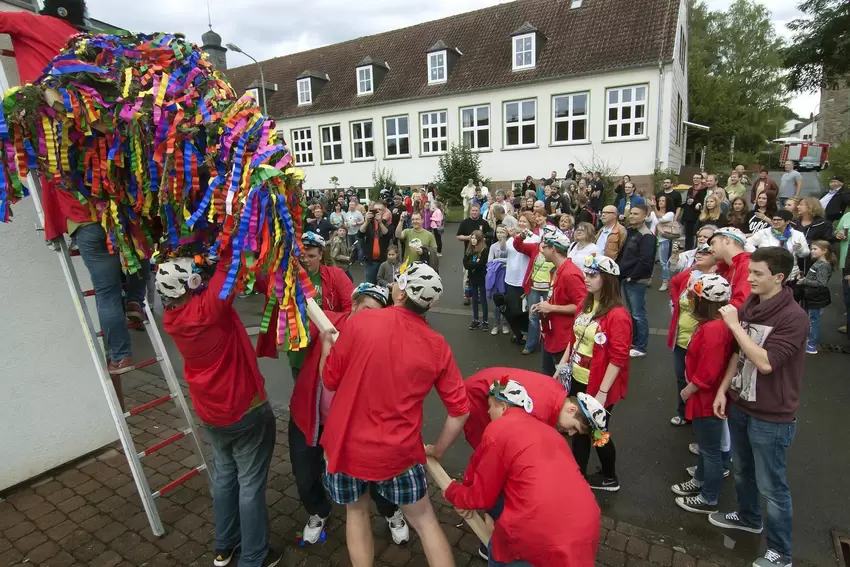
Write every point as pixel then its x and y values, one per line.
pixel 567 289
pixel 304 402
pixel 547 394
pixel 551 518
pixel 531 250
pixel 36 40
pixel 738 277
pixel 616 326
pixel 219 365
pixel 677 286
pixel 382 368
pixel 336 296
pixel 705 364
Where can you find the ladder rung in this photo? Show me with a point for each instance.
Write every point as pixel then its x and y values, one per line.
pixel 88 292
pixel 157 446
pixel 153 403
pixel 74 252
pixel 177 482
pixel 146 363
pixel 137 325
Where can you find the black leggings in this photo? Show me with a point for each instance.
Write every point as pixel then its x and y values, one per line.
pixel 581 444
pixel 517 318
pixel 438 238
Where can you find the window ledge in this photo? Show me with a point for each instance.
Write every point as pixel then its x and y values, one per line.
pixel 366 94
pixel 333 162
pixel 514 148
pixel 432 154
pixel 305 103
pixel 355 160
pixel 443 82
pixel 304 164
pixel 529 68
pixel 576 143
pixel 618 140
pixel 481 151
pixel 408 156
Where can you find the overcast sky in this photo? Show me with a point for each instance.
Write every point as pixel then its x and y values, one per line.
pixel 269 28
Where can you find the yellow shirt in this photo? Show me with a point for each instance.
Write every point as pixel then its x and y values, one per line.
pixel 687 325
pixel 541 273
pixel 585 329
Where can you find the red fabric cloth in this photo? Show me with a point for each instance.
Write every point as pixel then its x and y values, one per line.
pixel 547 394
pixel 617 327
pixel 60 206
pixel 531 250
pixel 336 296
pixel 35 39
pixel 551 518
pixel 304 402
pixel 677 286
pixel 219 364
pixel 737 275
pixel 382 368
pixel 567 289
pixel 705 364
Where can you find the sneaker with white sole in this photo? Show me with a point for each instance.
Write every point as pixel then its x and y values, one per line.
pixel 665 285
pixel 688 488
pixel 693 448
pixel 599 481
pixel 223 557
pixel 314 528
pixel 505 329
pixel 495 330
pixel 635 353
pixel 398 528
pixel 693 471
pixel 679 421
pixel 772 559
pixel 695 504
pixel 731 521
pixel 273 558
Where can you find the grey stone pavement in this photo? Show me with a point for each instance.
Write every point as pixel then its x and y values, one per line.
pixel 88 513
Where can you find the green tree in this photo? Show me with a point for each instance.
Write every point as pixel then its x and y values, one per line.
pixel 819 55
pixel 383 178
pixel 736 82
pixel 454 170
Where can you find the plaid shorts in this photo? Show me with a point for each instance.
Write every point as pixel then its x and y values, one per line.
pixel 407 488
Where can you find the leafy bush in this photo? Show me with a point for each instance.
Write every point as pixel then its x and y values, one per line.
pixel 660 175
pixel 608 172
pixel 839 164
pixel 454 170
pixel 383 178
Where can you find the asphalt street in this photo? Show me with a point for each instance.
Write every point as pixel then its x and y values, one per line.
pixel 652 454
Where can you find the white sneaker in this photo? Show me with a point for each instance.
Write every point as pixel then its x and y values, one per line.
pixel 314 528
pixel 398 528
pixel 693 448
pixel 664 286
pixel 495 330
pixel 635 353
pixel 506 330
pixel 693 470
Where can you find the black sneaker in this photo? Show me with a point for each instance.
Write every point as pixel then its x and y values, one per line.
pixel 598 481
pixel 474 325
pixel 485 326
pixel 731 521
pixel 273 558
pixel 688 488
pixel 696 504
pixel 483 552
pixel 693 470
pixel 772 559
pixel 224 556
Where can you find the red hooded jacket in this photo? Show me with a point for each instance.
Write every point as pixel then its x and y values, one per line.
pixel 616 326
pixel 705 365
pixel 738 277
pixel 677 286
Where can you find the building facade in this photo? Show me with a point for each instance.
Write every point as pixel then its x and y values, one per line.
pixel 519 83
pixel 834 117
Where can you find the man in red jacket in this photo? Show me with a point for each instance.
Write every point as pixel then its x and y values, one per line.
pixel 550 515
pixel 373 434
pixel 566 295
pixel 728 247
pixel 309 406
pixel 229 396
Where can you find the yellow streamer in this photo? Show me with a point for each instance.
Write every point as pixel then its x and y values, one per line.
pixel 128 74
pixel 163 86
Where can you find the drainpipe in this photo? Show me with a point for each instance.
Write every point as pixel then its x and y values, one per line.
pixel 659 114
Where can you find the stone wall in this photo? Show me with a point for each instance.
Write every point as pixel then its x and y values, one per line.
pixel 834 118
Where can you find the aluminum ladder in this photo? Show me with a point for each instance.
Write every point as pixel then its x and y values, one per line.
pixel 120 416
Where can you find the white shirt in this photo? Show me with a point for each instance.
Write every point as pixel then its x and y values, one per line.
pixel 654 220
pixel 602 239
pixel 764 238
pixel 517 263
pixel 578 254
pixel 824 201
pixel 468 192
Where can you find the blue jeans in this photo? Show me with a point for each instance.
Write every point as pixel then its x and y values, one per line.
pixel 759 452
pixel 679 367
pixel 664 248
pixel 371 271
pixel 479 297
pixel 635 297
pixel 242 453
pixel 708 432
pixel 814 326
pixel 533 338
pixel 105 273
pixel 493 563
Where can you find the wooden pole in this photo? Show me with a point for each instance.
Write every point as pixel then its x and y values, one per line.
pixel 441 477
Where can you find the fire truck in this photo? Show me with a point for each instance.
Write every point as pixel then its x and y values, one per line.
pixel 807 156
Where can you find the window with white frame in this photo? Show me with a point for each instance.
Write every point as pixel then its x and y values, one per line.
pixel 475 127
pixel 364 80
pixel 305 94
pixel 626 112
pixel 679 119
pixel 435 132
pixel 524 54
pixel 302 145
pixel 569 118
pixel 254 93
pixel 331 143
pixel 362 140
pixel 437 67
pixel 396 136
pixel 520 123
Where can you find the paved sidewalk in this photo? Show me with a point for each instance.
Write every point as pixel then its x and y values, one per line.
pixel 89 514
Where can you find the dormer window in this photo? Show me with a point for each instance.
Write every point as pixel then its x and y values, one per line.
pixel 524 52
pixel 364 81
pixel 437 67
pixel 305 92
pixel 254 93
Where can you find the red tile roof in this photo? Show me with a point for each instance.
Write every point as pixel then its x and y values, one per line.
pixel 601 35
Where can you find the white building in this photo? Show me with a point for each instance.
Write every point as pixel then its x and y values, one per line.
pixel 807 130
pixel 531 85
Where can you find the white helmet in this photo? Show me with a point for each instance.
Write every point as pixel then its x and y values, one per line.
pixel 175 276
pixel 377 292
pixel 594 263
pixel 712 287
pixel 312 239
pixel 512 393
pixel 421 283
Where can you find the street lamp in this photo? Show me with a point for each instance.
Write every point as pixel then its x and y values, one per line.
pixel 233 47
